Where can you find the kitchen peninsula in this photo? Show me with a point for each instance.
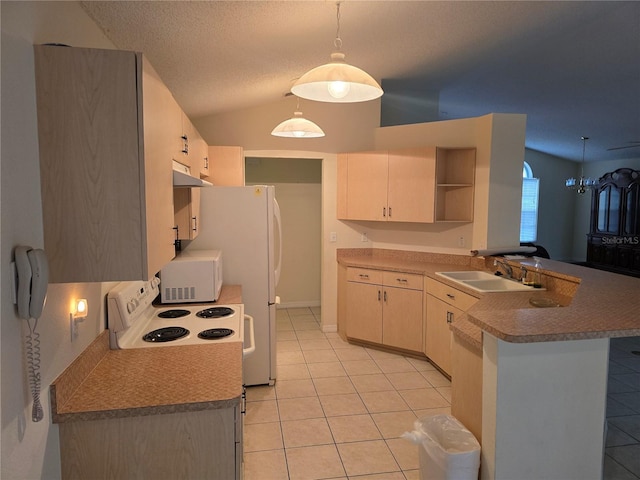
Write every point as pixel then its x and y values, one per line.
pixel 544 370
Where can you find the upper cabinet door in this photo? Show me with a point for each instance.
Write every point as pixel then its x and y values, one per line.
pixel 158 112
pixel 106 190
pixel 367 174
pixel 411 189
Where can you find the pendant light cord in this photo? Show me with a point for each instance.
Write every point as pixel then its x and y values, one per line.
pixel 584 147
pixel 338 41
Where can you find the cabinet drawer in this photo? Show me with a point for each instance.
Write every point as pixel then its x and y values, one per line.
pixel 450 295
pixel 403 280
pixel 364 275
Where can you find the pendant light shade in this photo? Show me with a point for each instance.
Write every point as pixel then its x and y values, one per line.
pixel 337 81
pixel 297 127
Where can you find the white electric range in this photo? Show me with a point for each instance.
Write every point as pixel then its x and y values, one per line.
pixel 135 322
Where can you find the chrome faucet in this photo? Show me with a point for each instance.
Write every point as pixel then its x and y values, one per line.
pixel 507 268
pixel 523 273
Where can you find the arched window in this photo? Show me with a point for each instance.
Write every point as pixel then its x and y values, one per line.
pixel 529 212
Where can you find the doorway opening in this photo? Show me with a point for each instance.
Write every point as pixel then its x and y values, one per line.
pixel 298 189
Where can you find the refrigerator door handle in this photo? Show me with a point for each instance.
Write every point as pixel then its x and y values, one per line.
pixel 276 213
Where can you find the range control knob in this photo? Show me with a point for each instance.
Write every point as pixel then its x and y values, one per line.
pixel 130 307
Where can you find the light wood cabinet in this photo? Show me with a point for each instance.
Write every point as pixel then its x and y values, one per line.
pixel 466 385
pixel 421 185
pixel 186 209
pixel 385 308
pixel 200 444
pixel 105 164
pixel 444 305
pixel 226 165
pixel 392 186
pixel 194 150
pixel 202 157
pixel 455 179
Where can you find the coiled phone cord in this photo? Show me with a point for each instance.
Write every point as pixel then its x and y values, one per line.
pixel 33 359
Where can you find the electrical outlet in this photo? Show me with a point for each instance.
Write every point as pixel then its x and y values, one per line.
pixel 333 237
pixel 461 241
pixel 364 237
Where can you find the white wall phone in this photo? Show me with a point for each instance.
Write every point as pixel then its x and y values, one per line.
pixel 30 280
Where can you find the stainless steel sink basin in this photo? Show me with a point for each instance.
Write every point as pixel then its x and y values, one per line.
pixel 486 282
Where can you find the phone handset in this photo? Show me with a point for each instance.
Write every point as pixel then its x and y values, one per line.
pixel 32 278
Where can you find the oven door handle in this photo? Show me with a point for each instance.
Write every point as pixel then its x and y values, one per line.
pixel 252 347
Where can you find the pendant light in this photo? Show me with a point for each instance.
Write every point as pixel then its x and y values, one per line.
pixel 337 81
pixel 297 127
pixel 584 183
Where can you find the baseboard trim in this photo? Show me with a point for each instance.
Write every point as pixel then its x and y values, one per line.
pixel 302 304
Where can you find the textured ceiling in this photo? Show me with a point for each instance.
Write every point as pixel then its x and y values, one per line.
pixel 572 67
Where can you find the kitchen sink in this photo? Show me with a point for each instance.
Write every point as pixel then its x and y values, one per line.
pixel 486 282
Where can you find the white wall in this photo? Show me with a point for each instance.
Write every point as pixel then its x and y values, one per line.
pixel 557 204
pixel 31 450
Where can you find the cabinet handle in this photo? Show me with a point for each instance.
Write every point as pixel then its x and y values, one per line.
pixel 378 295
pixel 385 295
pixel 185 144
pixel 451 296
pixel 449 317
pixel 206 163
pixel 389 212
pixel 402 280
pixel 364 276
pixel 195 223
pixel 384 211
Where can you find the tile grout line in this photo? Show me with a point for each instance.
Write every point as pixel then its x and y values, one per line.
pixel 358 393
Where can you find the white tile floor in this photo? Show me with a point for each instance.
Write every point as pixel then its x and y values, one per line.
pixel 337 410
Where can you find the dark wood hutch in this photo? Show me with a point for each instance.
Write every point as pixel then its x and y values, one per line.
pixel 613 242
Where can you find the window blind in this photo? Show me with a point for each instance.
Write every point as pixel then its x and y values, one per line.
pixel 529 214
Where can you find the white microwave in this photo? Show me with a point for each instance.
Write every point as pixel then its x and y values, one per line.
pixel 192 276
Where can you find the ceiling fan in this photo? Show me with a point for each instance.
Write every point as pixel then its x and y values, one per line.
pixel 632 144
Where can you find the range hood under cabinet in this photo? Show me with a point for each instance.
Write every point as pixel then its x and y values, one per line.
pixel 182 177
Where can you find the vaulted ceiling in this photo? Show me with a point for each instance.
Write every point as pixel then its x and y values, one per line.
pixel 573 67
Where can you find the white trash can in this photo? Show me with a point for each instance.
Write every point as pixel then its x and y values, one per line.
pixel 448 451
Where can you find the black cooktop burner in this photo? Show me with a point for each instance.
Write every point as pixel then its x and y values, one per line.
pixel 167 334
pixel 215 312
pixel 177 313
pixel 215 333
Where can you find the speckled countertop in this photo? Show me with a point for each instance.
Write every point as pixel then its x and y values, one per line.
pixel 103 383
pixel 596 304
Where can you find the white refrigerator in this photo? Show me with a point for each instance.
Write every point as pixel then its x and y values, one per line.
pixel 244 223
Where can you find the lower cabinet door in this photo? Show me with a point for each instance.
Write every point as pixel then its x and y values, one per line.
pixel 402 318
pixel 364 312
pixel 438 335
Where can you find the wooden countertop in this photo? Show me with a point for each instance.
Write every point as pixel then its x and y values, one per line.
pixel 597 304
pixel 103 383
